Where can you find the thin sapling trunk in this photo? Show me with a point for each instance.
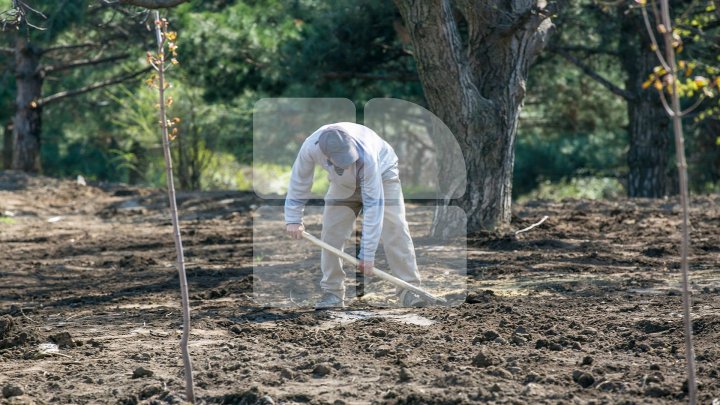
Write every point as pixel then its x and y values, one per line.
pixel 670 84
pixel 164 38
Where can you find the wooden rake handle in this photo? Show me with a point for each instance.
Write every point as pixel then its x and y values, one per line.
pixel 379 273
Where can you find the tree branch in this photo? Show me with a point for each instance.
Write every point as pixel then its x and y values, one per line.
pixel 7 50
pixel 665 104
pixel 651 33
pixel 154 4
pixel 532 226
pixel 487 20
pixel 69 47
pixel 20 12
pixel 532 14
pixel 70 93
pixel 694 106
pixel 593 74
pixel 86 62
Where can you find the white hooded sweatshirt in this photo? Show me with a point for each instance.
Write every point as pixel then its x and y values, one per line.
pixel 377 163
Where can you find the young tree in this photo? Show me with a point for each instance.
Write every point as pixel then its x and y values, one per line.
pixel 475 83
pixel 673 79
pixel 165 42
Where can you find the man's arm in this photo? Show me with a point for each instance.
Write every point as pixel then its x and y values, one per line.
pixel 373 199
pixel 301 180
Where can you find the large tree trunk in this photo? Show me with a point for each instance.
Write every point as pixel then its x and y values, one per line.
pixel 28 113
pixel 7 146
pixel 137 172
pixel 705 154
pixel 477 90
pixel 649 154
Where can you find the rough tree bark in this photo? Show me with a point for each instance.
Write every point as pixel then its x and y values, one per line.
pixel 28 113
pixel 476 87
pixel 649 130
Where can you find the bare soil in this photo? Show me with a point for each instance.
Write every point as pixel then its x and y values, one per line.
pixel 582 309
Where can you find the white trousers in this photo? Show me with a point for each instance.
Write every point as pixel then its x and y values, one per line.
pixel 338 224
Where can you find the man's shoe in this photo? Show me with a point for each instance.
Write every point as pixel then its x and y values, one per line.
pixel 328 301
pixel 409 298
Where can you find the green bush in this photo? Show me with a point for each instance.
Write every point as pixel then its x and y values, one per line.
pixel 578 187
pixel 274 179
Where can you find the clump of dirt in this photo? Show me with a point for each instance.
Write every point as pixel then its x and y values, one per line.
pixel 6 326
pixel 14 334
pixel 63 340
pixel 133 261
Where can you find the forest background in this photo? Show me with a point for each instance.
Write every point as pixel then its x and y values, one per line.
pixel 589 124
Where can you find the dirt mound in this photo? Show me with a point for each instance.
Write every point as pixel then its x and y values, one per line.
pixel 191 205
pixel 14 334
pixel 24 195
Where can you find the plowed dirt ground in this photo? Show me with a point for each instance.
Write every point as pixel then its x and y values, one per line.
pixel 582 309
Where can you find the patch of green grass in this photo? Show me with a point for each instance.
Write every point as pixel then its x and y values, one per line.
pixel 274 179
pixel 7 220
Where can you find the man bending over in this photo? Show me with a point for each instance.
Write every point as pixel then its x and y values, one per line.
pixel 363 173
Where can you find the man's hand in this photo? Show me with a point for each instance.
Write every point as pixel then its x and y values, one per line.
pixel 366 267
pixel 295 230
